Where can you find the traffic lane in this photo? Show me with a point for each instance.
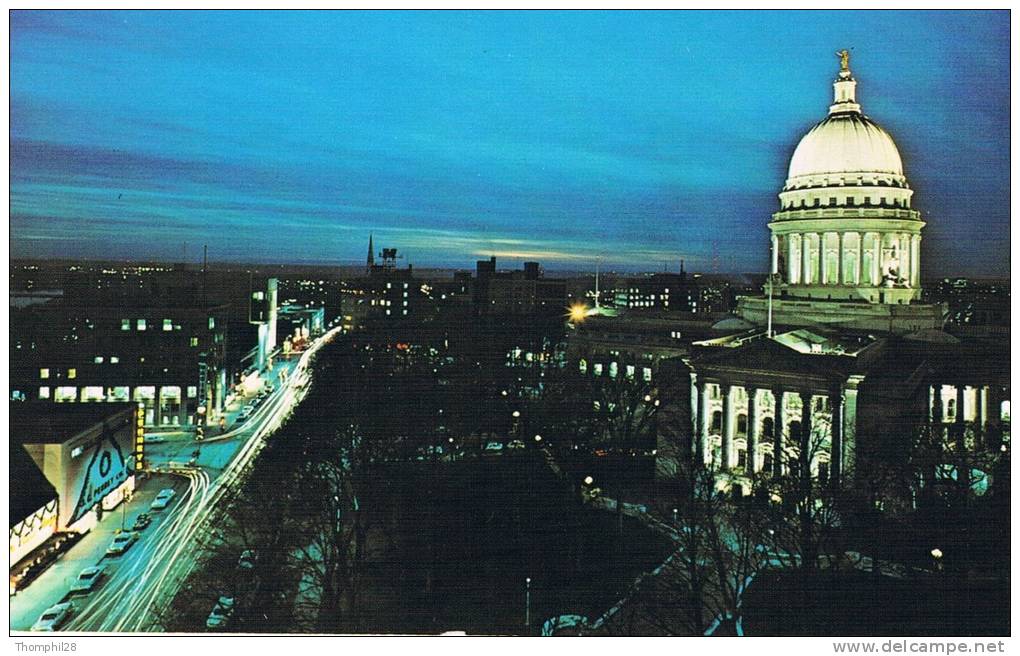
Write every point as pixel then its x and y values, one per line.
pixel 54 584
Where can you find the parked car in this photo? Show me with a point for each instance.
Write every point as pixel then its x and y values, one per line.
pixel 87 579
pixel 54 617
pixel 163 499
pixel 494 446
pixel 141 522
pixel 515 444
pixel 154 439
pixel 246 412
pixel 221 612
pixel 121 543
pixel 247 559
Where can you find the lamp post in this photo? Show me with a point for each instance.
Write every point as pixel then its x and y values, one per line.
pixel 527 602
pixel 674 518
pixel 936 555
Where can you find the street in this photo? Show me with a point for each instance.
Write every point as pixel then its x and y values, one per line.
pixel 142 580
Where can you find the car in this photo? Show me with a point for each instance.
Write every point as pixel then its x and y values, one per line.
pixel 515 444
pixel 270 388
pixel 154 439
pixel 121 543
pixel 221 612
pixel 141 522
pixel 54 617
pixel 246 412
pixel 87 579
pixel 163 499
pixel 247 559
pixel 494 446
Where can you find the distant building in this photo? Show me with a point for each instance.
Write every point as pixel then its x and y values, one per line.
pixel 166 353
pixel 524 292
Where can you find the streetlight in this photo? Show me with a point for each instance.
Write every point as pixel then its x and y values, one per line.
pixel 936 555
pixel 588 480
pixel 527 602
pixel 538 438
pixel 674 518
pixel 516 414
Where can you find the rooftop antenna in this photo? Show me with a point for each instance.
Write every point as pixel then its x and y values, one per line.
pixel 598 260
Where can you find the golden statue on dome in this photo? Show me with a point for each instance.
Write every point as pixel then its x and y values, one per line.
pixel 844 59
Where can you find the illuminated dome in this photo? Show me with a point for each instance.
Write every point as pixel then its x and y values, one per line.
pixel 845 142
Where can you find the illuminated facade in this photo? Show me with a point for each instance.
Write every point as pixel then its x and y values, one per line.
pixel 846 241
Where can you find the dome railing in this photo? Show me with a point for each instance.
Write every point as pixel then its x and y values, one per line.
pixel 872 212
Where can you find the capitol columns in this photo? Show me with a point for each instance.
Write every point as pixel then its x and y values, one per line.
pixel 778 428
pixel 839 260
pixel 727 427
pixel 805 256
pixel 751 461
pixel 805 435
pixel 859 279
pixel 704 448
pixel 821 259
pixel 836 439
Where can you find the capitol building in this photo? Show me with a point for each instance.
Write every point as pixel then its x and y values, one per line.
pixel 846 241
pixel 839 357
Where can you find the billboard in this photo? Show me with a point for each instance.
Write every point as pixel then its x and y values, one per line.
pixel 101 465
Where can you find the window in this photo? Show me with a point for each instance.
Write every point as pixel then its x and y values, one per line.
pixel 192 391
pixel 140 324
pixel 168 325
pixel 98 359
pixel 193 341
pixel 65 394
pixel 44 373
pixel 212 323
pixel 114 359
pixel 646 374
pixel 72 373
pixel 125 324
pixel 44 392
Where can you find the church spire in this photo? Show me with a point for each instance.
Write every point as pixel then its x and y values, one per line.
pixel 371 253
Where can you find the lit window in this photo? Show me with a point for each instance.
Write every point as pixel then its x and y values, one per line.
pixel 65 394
pixel 72 373
pixel 98 359
pixel 168 325
pixel 192 391
pixel 194 341
pixel 77 451
pixel 114 359
pixel 44 373
pixel 44 392
pixel 140 324
pixel 125 324
pixel 212 323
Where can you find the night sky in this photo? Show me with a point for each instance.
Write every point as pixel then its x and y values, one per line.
pixel 638 137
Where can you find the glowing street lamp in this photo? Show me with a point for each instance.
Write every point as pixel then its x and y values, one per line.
pixel 578 312
pixel 936 555
pixel 538 438
pixel 588 480
pixel 516 414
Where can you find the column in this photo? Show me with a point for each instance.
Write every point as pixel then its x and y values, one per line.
pixel 979 415
pixel 839 260
pixel 727 428
pixel 915 261
pixel 791 259
pixel 836 439
pixel 704 416
pixel 752 431
pixel 961 398
pixel 805 436
pixel 859 274
pixel 695 445
pixel 821 258
pixel 805 252
pixel 157 413
pixel 778 428
pixel 905 262
pixel 876 255
pixel 775 254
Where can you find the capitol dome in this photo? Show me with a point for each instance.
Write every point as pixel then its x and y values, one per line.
pixel 845 142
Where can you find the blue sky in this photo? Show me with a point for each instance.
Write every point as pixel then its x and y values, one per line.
pixel 639 137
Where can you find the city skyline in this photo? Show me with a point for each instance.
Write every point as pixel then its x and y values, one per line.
pixel 455 136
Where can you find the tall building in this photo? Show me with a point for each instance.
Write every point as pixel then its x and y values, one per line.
pixel 846 241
